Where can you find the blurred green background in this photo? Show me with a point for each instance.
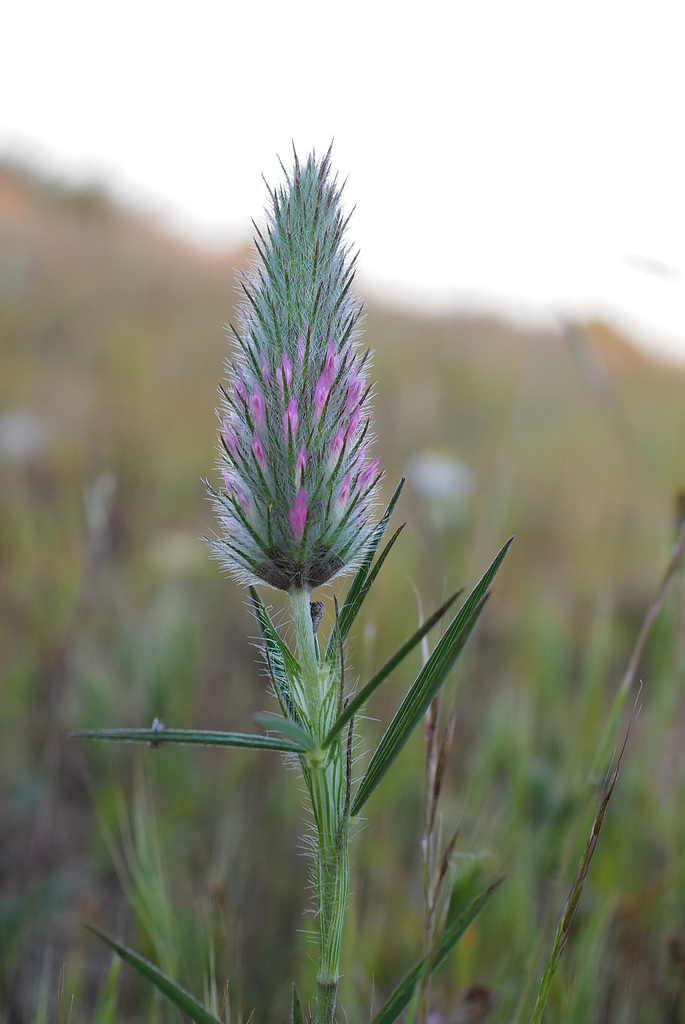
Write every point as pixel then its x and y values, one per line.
pixel 111 613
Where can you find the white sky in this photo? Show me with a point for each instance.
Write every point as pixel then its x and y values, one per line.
pixel 528 155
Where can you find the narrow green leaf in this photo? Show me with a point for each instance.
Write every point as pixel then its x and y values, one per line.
pixel 290 729
pixel 271 634
pixel 402 995
pixel 361 584
pixel 195 737
pixel 427 683
pixel 167 986
pixel 349 612
pixel 414 706
pixel 282 662
pixel 385 670
pixel 369 581
pixel 296 1015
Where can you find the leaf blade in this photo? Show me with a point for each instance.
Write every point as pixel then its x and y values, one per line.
pixel 287 728
pixel 385 670
pixel 192 737
pixel 427 683
pixel 296 1015
pixel 283 666
pixel 361 584
pixel 402 995
pixel 178 995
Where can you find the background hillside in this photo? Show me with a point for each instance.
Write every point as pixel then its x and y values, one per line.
pixel 111 613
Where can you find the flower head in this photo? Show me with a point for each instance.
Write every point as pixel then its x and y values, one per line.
pixel 296 506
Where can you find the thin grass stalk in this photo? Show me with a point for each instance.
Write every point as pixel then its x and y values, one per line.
pixel 437 744
pixel 431 839
pixel 638 650
pixel 564 926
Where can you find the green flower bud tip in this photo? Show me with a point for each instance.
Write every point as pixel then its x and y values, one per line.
pixel 296 506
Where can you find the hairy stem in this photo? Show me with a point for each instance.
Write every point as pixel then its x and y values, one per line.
pixel 325 773
pixel 333 881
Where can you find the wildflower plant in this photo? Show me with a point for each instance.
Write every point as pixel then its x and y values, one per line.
pixel 296 494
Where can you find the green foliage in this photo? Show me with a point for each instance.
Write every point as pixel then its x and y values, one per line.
pixel 302 740
pixel 385 671
pixel 109 337
pixel 402 995
pixel 283 666
pixel 296 1015
pixel 194 737
pixel 166 985
pixel 301 547
pixel 427 684
pixel 363 579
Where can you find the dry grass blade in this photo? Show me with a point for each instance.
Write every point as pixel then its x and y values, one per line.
pixel 561 937
pixel 627 681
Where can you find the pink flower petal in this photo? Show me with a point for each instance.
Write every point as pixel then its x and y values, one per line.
pixel 291 420
pixel 354 391
pixel 242 498
pixel 367 476
pixel 332 363
pixel 239 389
pixel 258 452
pixel 353 425
pixel 231 441
pixel 298 514
pixel 343 495
pixel 258 407
pixel 321 393
pixel 300 466
pixel 337 444
pixel 286 373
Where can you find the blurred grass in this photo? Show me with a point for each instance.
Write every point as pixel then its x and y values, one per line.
pixel 111 613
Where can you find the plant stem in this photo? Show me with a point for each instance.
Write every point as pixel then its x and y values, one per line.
pixel 325 773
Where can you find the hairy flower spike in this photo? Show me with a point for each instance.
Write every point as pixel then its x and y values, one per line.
pixel 298 496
